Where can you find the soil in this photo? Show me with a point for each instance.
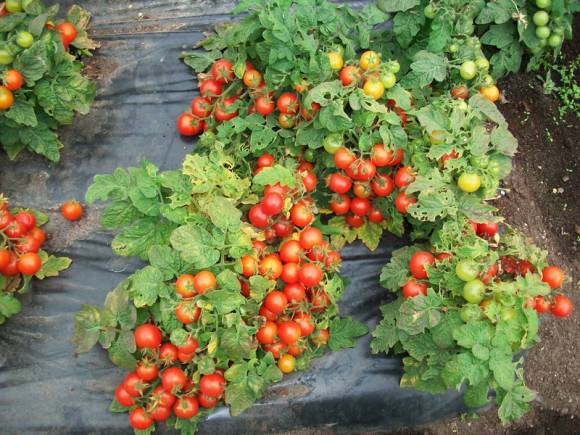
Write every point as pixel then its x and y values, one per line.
pixel 540 198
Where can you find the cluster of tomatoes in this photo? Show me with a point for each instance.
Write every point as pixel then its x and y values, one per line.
pixel 474 290
pixel 296 255
pixel 20 241
pixel 160 384
pixel 12 79
pixel 360 180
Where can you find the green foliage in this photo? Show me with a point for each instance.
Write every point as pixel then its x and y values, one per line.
pixel 54 89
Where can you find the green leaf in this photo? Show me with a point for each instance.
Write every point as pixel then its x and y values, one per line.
pixel 87 328
pixel 179 337
pixel 239 396
pixel 476 396
pixel 430 67
pixel 52 266
pixel 223 213
pixel 514 404
pixel 167 261
pixel 33 62
pixel 225 301
pixel 397 5
pixel 22 112
pixel 146 286
pixel 122 349
pixel 9 305
pixel 384 337
pixel 420 313
pixel 196 245
pixel 477 332
pixel 370 234
pixel 236 344
pixel 396 272
pixel 104 187
pixel 503 369
pixel 504 141
pixel 42 140
pixel 139 237
pixel 499 35
pixel 344 331
pixel 407 25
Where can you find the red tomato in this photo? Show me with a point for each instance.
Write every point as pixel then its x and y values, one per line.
pixel 264 105
pixel 13 80
pixel 301 215
pixel 443 256
pixel 201 107
pixel 289 332
pixel 491 272
pixel 355 221
pixel 204 281
pixel 290 251
pixel 272 204
pixel 404 177
pixel 321 337
pixel 343 158
pixel 361 170
pixel 189 125
pixel 524 267
pixel 258 217
pixel 340 204
pixel 289 273
pixel 38 235
pixel 403 202
pixel 283 227
pixel 310 275
pixel 489 229
pixel 382 185
pixel 288 103
pixel 362 190
pixel 11 269
pixel 446 157
pixel 162 397
pixel 308 114
pixel 275 301
pixel 159 413
pixel 310 237
pixel 212 385
pixel 139 419
pixel 15 230
pixel 460 92
pixel 124 398
pixel 339 183
pixel 264 161
pixel 375 216
pixel 270 267
pixel 223 71
pixel 309 181
pixel 28 244
pixel 562 306
pixel 269 315
pixel 190 346
pixel 206 401
pixel 295 292
pixel 268 333
pixel 418 262
pixel 29 264
pixel 184 286
pixel 186 407
pixel 349 74
pixel 186 312
pixel 173 379
pixel 147 370
pixel 210 88
pixel 412 288
pixel 275 349
pixel 223 111
pixel 541 305
pixel 304 322
pixel 4 258
pixel 148 336
pixel 360 206
pixel 252 79
pixel 249 266
pixel 68 32
pixel 553 276
pixel 168 353
pixel 134 385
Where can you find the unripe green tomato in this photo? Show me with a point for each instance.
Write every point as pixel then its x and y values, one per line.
pixel 6 57
pixel 429 11
pixel 309 155
pixel 468 70
pixel 507 314
pixel 393 66
pixel 482 63
pixel 24 39
pixel 466 270
pixel 332 143
pixel 554 41
pixel 13 6
pixel 453 48
pixel 469 182
pixel 542 43
pixel 462 105
pixel 543 4
pixel 541 18
pixel 535 50
pixel 470 313
pixel 479 161
pixel 558 31
pixel 389 79
pixel 542 32
pixel 473 291
pixel 487 80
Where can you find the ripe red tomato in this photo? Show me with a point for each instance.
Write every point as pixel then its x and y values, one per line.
pixel 562 306
pixel 361 189
pixel 249 266
pixel 264 105
pixel 290 251
pixel 270 267
pixel 212 385
pixel 184 285
pixel 301 215
pixel 396 157
pixel 460 92
pixel 275 349
pixel 173 379
pixel 343 158
pixel 404 177
pixel 383 185
pixel 355 221
pixel 223 71
pixel 162 397
pixel 27 219
pixel 269 315
pixel 186 312
pixel 139 419
pixel 168 353
pixel 258 217
pixel 186 407
pixel 403 202
pixel 418 262
pixel 283 227
pixel 159 413
pixel 13 80
pixel 349 74
pixel 124 398
pixel 148 336
pixel 252 78
pixel 412 288
pixel 206 401
pixel 190 346
pixel 375 216
pixel 201 107
pixel 134 385
pixel 380 156
pixel 15 229
pixel 272 204
pixel 446 157
pixel 224 112
pixel 487 229
pixel 360 206
pixel 289 273
pixel 4 258
pixel 6 98
pixel 541 305
pixel 295 292
pixel 28 244
pixel 320 301
pixel 308 114
pixel 524 267
pixel 268 333
pixel 361 170
pixel 310 237
pixel 275 301
pixel 333 259
pixel 210 88
pixel 29 264
pixel 321 337
pixel 11 269
pixel 288 103
pixel 189 125
pixel 553 276
pixel 147 370
pixel 204 281
pixel 289 332
pixel 310 275
pixel 340 204
pixel 309 181
pixel 339 183
pixel 304 322
pixel 5 218
pixel 491 272
pixel 68 32
pixel 264 161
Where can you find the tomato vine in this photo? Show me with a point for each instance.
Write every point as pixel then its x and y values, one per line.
pixel 318 125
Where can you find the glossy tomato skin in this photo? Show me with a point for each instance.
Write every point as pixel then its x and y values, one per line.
pixel 15 229
pixel 276 302
pixel 301 215
pixel 290 251
pixel 204 281
pixel 6 98
pixel 134 385
pixel 173 379
pixel 207 402
pixel 68 32
pixel 487 229
pixel 383 185
pixel 147 370
pixel 212 384
pixel 272 203
pixel 223 110
pixel 360 206
pixel 190 346
pixel 287 363
pixel 249 266
pixel 413 288
pixel 186 407
pixel 159 413
pixel 210 88
pixel 404 177
pixel 541 305
pixel 189 125
pixel 305 323
pixel 340 204
pixel 271 266
pixel 4 259
pixel 403 202
pixel 418 262
pixel 124 398
pixel 289 332
pixel 186 312
pixel 289 273
pixel 310 237
pixel 264 161
pixel 148 336
pixel 295 292
pixel 562 306
pixel 27 219
pixel 268 333
pixel 72 210
pixel 349 74
pixel 288 103
pixel 258 217
pixel 339 183
pixel 223 71
pixel 184 286
pixel 13 80
pixel 343 158
pixel 28 244
pixel 553 276
pixel 310 275
pixel 140 419
pixel 309 181
pixel 201 107
pixel 168 353
pixel 355 221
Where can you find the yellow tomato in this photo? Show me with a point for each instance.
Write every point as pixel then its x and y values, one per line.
pixel 370 60
pixel 287 363
pixel 336 60
pixel 374 89
pixel 490 93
